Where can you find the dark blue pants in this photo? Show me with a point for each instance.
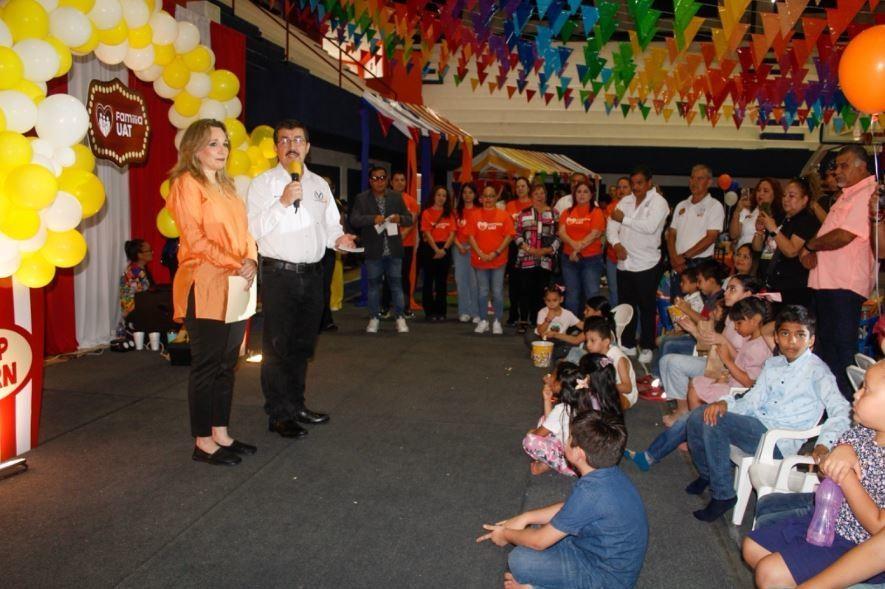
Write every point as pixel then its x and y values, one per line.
pixel 838 322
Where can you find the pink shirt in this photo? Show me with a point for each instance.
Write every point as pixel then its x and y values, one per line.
pixel 850 267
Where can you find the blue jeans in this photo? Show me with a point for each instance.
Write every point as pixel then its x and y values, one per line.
pixel 709 446
pixel 561 565
pixel 611 276
pixel 677 370
pixel 392 268
pixel 777 507
pixel 490 279
pixel 671 344
pixel 669 439
pixel 581 281
pixel 465 279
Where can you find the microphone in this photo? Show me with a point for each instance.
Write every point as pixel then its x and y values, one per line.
pixel 294 169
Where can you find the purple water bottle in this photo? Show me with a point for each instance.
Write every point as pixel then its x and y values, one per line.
pixel 827 502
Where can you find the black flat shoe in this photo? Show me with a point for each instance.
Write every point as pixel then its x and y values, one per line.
pixel 287 428
pixel 238 447
pixel 330 327
pixel 307 416
pixel 221 457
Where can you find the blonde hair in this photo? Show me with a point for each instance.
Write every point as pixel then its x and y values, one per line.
pixel 195 138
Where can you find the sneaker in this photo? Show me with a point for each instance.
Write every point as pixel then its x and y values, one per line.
pixel 385 314
pixel 372 327
pixel 409 314
pixel 482 327
pixel 629 351
pixel 401 326
pixel 496 328
pixel 645 356
pixel 476 319
pixel 464 318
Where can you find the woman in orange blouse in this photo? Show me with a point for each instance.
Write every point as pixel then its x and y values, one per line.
pixel 580 228
pixel 215 244
pixel 437 235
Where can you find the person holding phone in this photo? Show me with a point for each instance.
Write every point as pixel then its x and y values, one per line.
pixel 767 196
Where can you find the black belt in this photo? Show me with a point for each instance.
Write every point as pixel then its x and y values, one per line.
pixel 299 268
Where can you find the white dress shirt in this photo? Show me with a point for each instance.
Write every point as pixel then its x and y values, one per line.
pixel 747 219
pixel 564 203
pixel 640 231
pixel 283 233
pixel 691 221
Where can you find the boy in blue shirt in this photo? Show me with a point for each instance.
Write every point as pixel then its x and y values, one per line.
pixel 598 537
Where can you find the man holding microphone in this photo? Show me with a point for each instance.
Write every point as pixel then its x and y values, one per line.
pixel 293 217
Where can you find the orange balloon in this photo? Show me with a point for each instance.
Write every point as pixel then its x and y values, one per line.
pixel 862 71
pixel 724 181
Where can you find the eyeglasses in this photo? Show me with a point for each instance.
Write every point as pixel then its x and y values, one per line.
pixel 292 140
pixel 377 178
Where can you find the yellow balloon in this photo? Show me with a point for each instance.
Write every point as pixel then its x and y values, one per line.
pixel 11 68
pixel 164 189
pixel 20 223
pixel 31 90
pixel 176 74
pixel 198 59
pixel 259 133
pixel 164 54
pixel 166 224
pixel 35 271
pixel 267 147
pixel 254 153
pixel 236 132
pixel 238 162
pixel 64 249
pixel 90 45
pixel 4 205
pixel 31 186
pixel 65 60
pixel 83 6
pixel 84 161
pixel 186 104
pixel 225 85
pixel 141 37
pixel 114 35
pixel 15 150
pixel 86 187
pixel 2 121
pixel 26 19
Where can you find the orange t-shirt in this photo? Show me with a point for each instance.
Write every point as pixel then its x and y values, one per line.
pixel 579 221
pixel 214 242
pixel 440 227
pixel 489 228
pixel 411 238
pixel 516 206
pixel 608 213
pixel 464 222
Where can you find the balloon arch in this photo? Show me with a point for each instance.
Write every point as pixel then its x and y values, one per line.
pixel 47 179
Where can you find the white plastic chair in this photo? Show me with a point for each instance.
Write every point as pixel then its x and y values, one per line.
pixel 742 462
pixel 855 376
pixel 622 314
pixel 863 361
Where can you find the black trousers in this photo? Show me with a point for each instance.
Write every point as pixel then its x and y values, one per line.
pixel 838 322
pixel 531 292
pixel 514 285
pixel 215 347
pixel 408 254
pixel 328 262
pixel 436 277
pixel 293 306
pixel 639 290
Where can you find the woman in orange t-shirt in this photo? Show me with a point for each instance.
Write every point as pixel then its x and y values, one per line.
pixel 581 228
pixel 523 200
pixel 465 276
pixel 215 245
pixel 490 234
pixel 437 236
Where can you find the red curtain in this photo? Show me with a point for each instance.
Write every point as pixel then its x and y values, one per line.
pixel 230 54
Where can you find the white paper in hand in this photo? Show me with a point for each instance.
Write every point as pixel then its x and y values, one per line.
pixel 241 301
pixel 392 228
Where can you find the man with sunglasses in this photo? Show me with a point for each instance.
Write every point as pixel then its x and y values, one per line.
pixel 379 214
pixel 293 217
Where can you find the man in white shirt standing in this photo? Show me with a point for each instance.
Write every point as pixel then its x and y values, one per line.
pixel 293 217
pixel 568 200
pixel 634 231
pixel 697 223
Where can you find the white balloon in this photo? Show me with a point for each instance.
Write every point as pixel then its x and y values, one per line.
pixel 135 12
pixel 150 74
pixel 212 109
pixel 112 54
pixel 70 26
pixel 10 266
pixel 8 248
pixel 233 107
pixel 64 157
pixel 188 37
pixel 5 35
pixel 164 90
pixel 164 26
pixel 64 214
pixel 178 121
pixel 106 13
pixel 62 120
pixel 48 5
pixel 19 110
pixel 139 59
pixel 178 137
pixel 42 147
pixel 731 198
pixel 46 163
pixel 199 85
pixel 39 58
pixel 27 246
pixel 241 184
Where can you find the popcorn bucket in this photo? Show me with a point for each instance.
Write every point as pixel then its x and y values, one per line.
pixel 542 351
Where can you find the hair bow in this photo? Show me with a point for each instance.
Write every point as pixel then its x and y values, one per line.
pixel 583 383
pixel 605 361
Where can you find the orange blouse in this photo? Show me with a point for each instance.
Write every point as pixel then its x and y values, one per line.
pixel 214 242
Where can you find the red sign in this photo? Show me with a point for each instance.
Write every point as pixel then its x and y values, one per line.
pixel 118 123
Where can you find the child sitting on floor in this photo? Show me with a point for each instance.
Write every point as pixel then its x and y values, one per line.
pixel 779 554
pixel 599 335
pixel 554 320
pixel 597 306
pixel 598 536
pixel 567 392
